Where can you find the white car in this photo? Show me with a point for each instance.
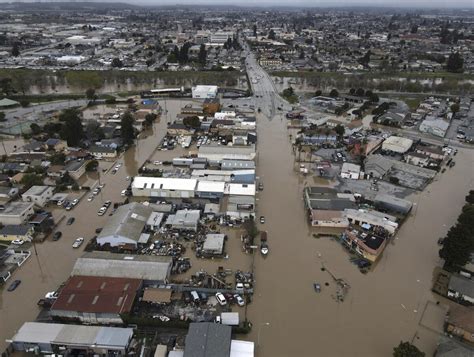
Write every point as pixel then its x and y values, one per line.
pixel 239 300
pixel 102 211
pixel 90 198
pixel 221 299
pixel 75 201
pixel 60 202
pixel 78 242
pixel 157 162
pixel 123 193
pixel 18 242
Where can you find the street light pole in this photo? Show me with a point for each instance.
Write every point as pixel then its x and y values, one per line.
pixel 259 329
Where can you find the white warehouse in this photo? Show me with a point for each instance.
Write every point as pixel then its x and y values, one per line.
pixel 163 187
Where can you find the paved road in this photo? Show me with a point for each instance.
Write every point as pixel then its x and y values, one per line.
pixel 265 92
pixel 34 110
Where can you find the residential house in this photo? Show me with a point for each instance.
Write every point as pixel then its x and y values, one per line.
pixel 460 323
pixel 12 232
pixel 39 195
pixel 76 168
pixel 57 145
pixel 16 213
pixel 461 289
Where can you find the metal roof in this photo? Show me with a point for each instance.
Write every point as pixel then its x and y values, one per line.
pixel 162 183
pixel 146 267
pixel 208 340
pixel 126 224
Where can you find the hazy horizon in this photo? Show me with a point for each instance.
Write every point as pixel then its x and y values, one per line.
pixel 428 4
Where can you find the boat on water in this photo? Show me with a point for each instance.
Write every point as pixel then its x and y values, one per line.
pixel 264 250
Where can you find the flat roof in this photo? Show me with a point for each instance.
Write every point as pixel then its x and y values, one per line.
pixel 241 189
pixel 94 294
pixel 164 183
pixel 211 186
pixel 16 208
pixel 157 295
pixel 36 190
pixel 146 267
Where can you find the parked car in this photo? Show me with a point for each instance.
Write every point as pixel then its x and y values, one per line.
pixel 78 242
pixel 238 299
pixel 57 235
pixel 317 287
pixel 14 285
pixel 75 201
pixel 70 221
pixel 107 204
pixel 221 299
pixel 102 211
pixel 18 242
pixel 123 193
pixel 260 186
pixel 98 230
pixel 262 219
pixel 90 198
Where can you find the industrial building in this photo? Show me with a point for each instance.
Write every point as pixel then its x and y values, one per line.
pixel 369 218
pixel 125 227
pixel 392 204
pixel 151 269
pixel 163 187
pixel 185 220
pixel 204 92
pixel 350 171
pixel 47 338
pixel 214 244
pixel 96 300
pixel 219 153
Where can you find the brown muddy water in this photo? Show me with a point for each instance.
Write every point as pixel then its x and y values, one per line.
pixel 383 306
pixel 47 270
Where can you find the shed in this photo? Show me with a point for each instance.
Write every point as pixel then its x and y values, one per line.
pixel 230 318
pixel 214 244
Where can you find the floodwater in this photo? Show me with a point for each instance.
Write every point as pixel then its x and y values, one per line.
pixel 47 270
pixel 383 306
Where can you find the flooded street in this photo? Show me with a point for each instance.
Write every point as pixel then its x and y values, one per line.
pixel 47 270
pixel 393 296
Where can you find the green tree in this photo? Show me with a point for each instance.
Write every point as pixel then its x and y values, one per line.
pixel 455 108
pixel 340 130
pixel 318 93
pixel 31 179
pixel 406 349
pixel 374 98
pixel 2 116
pixel 360 92
pixel 92 165
pixel 90 94
pixel 334 93
pixel 15 50
pixel 117 63
pixel 72 130
pixel 470 197
pixel 35 129
pixel 127 129
pixel 272 35
pixel 255 30
pixel 192 122
pixel 58 159
pixel 455 63
pixel 202 55
pixel 149 119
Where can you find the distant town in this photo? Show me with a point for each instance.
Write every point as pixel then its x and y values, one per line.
pixel 230 181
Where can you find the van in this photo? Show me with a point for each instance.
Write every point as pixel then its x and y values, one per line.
pixel 195 296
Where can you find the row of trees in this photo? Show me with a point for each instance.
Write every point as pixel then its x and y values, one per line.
pixel 71 129
pixel 458 245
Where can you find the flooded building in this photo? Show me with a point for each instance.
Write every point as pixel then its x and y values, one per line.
pixel 371 218
pixel 367 244
pixel 39 195
pixel 151 269
pixel 16 213
pixel 325 207
pixel 460 323
pixel 461 289
pixel 125 227
pixel 397 144
pixel 185 220
pixel 163 187
pixel 219 153
pixel 93 299
pixel 392 204
pixel 38 337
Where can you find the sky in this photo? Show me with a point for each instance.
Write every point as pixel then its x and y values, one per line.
pixel 315 3
pixel 309 3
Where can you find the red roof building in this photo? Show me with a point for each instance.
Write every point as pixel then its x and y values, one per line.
pixel 96 299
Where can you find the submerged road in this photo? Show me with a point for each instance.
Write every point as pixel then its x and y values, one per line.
pixel 384 306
